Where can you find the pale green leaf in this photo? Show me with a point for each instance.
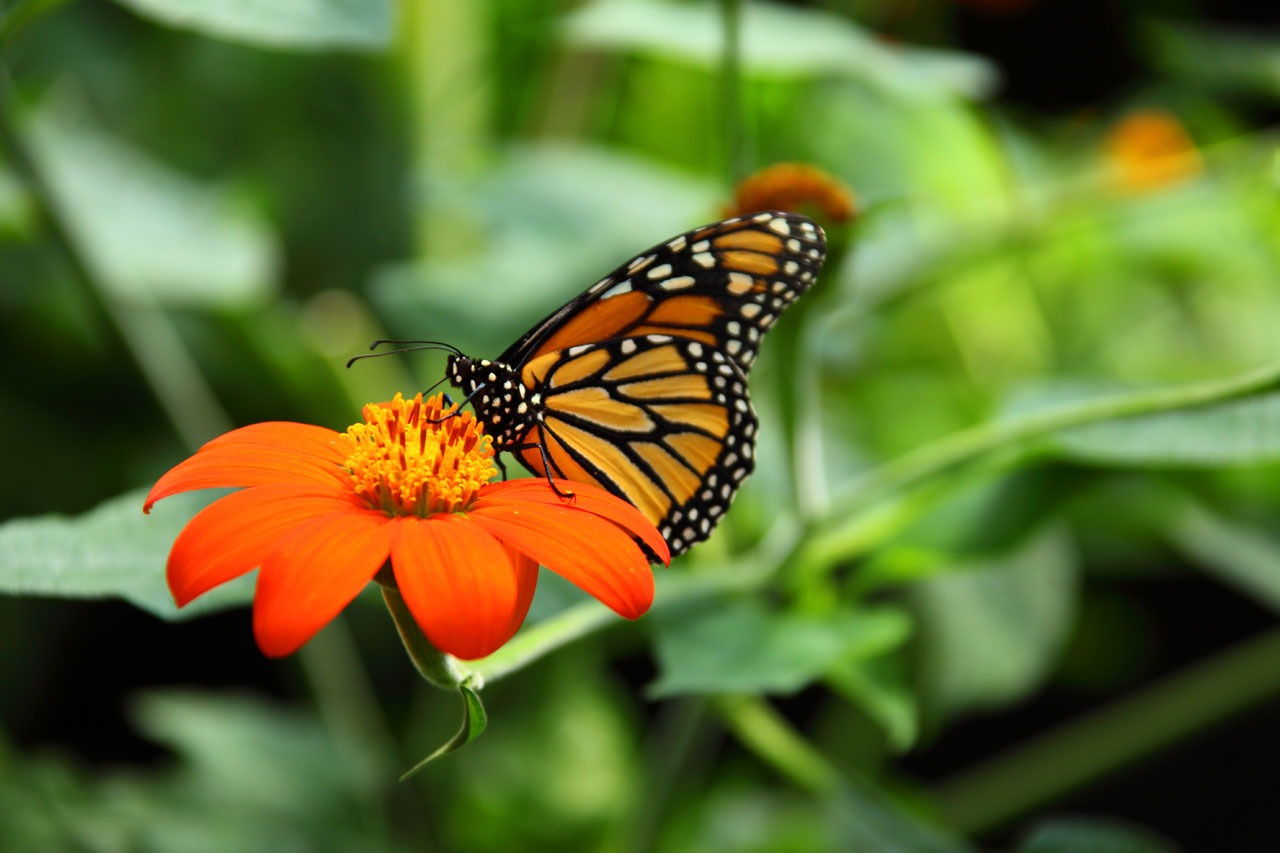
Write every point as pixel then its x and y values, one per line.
pixel 989 632
pixel 1236 432
pixel 148 233
pixel 112 551
pixel 355 25
pixel 776 40
pixel 740 647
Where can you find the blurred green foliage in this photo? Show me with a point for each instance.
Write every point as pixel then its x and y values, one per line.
pixel 1027 400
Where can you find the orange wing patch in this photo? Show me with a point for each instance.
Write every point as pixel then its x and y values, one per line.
pixel 599 321
pixel 576 369
pixel 613 464
pixel 752 262
pixel 699 451
pixel 685 386
pixel 682 482
pixel 752 240
pixel 652 362
pixel 594 404
pixel 686 310
pixel 707 417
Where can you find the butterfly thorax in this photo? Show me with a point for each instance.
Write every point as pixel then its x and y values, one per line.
pixel 501 402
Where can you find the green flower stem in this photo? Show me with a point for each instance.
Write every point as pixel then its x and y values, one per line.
pixel 434 665
pixel 830 541
pixel 991 793
pixel 765 732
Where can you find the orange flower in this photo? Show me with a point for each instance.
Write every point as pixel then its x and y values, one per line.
pixel 793 186
pixel 323 512
pixel 1149 149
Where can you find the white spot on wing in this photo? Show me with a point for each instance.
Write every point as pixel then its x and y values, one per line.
pixel 740 283
pixel 618 289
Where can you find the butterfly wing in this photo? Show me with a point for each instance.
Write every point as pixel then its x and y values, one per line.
pixel 723 285
pixel 661 421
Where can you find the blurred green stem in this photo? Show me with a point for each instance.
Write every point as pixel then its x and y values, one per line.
pixel 831 540
pixel 1043 769
pixel 759 726
pixel 143 332
pixel 731 90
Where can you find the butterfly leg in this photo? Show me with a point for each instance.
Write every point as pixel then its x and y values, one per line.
pixel 502 466
pixel 547 467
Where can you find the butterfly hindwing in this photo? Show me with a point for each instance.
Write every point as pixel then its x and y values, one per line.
pixel 639 384
pixel 723 285
pixel 661 421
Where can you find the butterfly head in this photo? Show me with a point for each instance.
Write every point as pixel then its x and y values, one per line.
pixel 500 400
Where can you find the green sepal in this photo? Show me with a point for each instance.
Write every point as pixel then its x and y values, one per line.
pixel 474 721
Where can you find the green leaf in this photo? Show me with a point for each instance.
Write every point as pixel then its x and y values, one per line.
pixel 1236 432
pixel 740 647
pixel 1092 835
pixel 112 551
pixel 474 721
pixel 990 631
pixel 356 25
pixel 148 233
pixel 775 40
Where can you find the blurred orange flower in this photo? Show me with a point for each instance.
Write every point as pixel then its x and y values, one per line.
pixel 793 186
pixel 1149 149
pixel 323 512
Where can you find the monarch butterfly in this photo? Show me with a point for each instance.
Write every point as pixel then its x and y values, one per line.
pixel 640 383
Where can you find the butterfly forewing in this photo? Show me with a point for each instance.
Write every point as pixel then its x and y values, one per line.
pixel 660 421
pixel 723 285
pixel 639 384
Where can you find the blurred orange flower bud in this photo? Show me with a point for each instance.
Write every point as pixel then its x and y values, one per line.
pixel 1149 149
pixel 796 187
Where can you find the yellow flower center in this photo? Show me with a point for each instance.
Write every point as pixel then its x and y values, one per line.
pixel 409 459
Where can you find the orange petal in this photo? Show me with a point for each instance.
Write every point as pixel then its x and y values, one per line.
pixel 585 549
pixel 234 465
pixel 307 439
pixel 313 572
pixel 586 496
pixel 232 535
pixel 467 592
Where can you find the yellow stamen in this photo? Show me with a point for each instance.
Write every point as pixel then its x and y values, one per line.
pixel 405 463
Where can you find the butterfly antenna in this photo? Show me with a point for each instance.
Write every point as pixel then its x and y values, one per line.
pixel 403 347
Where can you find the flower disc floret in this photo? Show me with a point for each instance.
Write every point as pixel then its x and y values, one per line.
pixel 416 458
